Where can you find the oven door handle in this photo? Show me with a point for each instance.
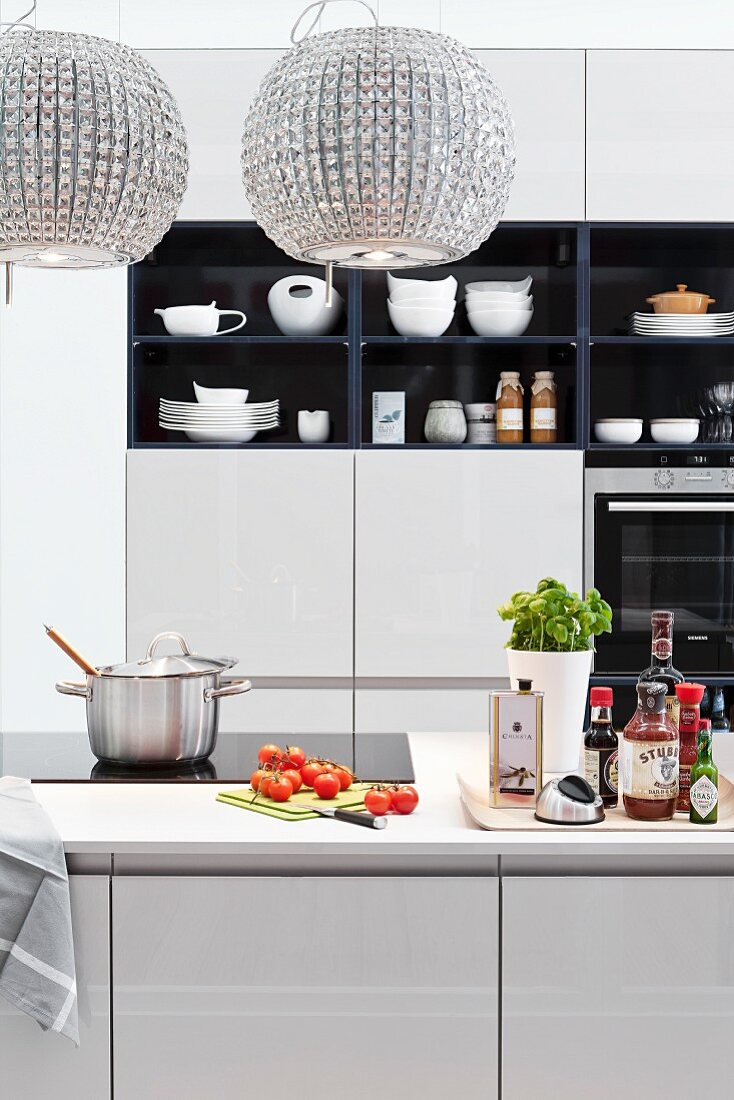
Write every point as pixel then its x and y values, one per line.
pixel 670 506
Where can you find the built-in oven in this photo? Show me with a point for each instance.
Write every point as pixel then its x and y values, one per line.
pixel 659 533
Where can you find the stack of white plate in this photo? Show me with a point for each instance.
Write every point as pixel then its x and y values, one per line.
pixel 219 423
pixel 421 307
pixel 681 324
pixel 500 308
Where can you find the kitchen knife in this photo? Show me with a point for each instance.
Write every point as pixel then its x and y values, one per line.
pixel 352 817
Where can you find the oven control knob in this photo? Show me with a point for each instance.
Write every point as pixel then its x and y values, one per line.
pixel 728 479
pixel 664 479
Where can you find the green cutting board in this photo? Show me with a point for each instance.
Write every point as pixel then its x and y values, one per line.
pixel 246 799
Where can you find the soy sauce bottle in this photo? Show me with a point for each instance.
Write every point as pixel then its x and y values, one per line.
pixel 601 747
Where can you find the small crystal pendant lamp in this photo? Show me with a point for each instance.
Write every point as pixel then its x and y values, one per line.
pixel 377 147
pixel 93 156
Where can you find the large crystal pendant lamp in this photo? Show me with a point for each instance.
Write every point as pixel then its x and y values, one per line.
pixel 93 156
pixel 377 147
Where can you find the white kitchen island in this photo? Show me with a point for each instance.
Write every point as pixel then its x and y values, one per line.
pixel 220 950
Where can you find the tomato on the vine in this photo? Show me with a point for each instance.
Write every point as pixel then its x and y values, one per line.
pixel 326 785
pixel 344 776
pixel 269 754
pixel 294 778
pixel 405 799
pixel 310 770
pixel 377 802
pixel 256 778
pixel 265 785
pixel 280 789
pixel 294 756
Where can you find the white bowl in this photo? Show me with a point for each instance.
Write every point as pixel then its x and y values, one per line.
pixel 207 396
pixel 213 435
pixel 521 286
pixel 508 299
pixel 678 430
pixel 424 303
pixel 421 288
pixel 297 304
pixel 483 307
pixel 620 430
pixel 417 321
pixel 501 322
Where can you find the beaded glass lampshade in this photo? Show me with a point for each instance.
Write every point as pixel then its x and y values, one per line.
pixel 93 157
pixel 382 148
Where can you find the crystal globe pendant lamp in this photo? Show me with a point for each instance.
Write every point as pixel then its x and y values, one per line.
pixel 93 157
pixel 378 147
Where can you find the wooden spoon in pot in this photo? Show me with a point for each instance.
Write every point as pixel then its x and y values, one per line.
pixel 69 650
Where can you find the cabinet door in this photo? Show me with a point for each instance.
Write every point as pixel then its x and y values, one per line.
pixel 545 90
pixel 244 553
pixel 214 89
pixel 421 710
pixel 37 1064
pixel 638 987
pixel 660 135
pixel 443 538
pixel 364 980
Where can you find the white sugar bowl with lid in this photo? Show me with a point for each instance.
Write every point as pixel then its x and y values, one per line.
pixel 481 422
pixel 445 422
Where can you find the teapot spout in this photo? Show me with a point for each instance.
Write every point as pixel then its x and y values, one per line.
pixel 160 312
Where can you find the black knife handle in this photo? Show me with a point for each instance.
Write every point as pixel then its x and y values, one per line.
pixel 368 820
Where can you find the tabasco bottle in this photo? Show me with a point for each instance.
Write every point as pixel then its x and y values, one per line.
pixel 704 781
pixel 689 697
pixel 649 771
pixel 661 667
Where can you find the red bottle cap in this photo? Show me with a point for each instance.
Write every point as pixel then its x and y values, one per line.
pixel 601 697
pixel 705 724
pixel 690 693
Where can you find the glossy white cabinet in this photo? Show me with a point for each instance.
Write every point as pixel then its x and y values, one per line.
pixel 37 1064
pixel 424 710
pixel 248 553
pixel 365 979
pixel 546 93
pixel 635 996
pixel 293 710
pixel 214 89
pixel 471 528
pixel 660 135
pixel 62 486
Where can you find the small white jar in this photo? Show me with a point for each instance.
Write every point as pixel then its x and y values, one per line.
pixel 481 422
pixel 445 422
pixel 313 427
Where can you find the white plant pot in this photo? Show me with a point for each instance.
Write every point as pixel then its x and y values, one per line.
pixel 564 680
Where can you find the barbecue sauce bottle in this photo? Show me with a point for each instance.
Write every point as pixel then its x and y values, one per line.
pixel 661 668
pixel 649 771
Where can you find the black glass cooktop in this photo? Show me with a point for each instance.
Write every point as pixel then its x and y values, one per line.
pixel 66 757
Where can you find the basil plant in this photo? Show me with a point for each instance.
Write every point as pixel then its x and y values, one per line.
pixel 554 620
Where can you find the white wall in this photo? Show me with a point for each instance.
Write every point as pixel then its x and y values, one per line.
pixel 482 24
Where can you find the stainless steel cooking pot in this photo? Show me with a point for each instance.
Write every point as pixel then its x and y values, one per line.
pixel 161 710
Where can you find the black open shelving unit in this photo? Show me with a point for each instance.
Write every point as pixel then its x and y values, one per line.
pixel 586 279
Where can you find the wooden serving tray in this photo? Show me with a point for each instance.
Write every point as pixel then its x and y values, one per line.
pixel 476 800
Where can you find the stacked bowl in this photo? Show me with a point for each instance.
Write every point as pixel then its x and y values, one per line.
pixel 219 416
pixel 421 307
pixel 500 308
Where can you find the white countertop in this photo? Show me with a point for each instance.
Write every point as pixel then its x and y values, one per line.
pixel 128 819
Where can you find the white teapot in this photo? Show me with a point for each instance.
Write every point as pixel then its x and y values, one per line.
pixel 298 306
pixel 197 320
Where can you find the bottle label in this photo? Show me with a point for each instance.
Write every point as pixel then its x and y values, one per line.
pixel 672 708
pixel 683 804
pixel 601 770
pixel 662 648
pixel 509 420
pixel 704 796
pixel 650 769
pixel 543 420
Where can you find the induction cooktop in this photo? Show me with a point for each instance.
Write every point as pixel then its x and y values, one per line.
pixel 66 757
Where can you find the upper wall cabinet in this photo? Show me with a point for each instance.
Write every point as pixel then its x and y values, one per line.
pixel 660 135
pixel 545 91
pixel 244 553
pixel 471 529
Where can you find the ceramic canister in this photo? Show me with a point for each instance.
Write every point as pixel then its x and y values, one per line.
pixel 445 422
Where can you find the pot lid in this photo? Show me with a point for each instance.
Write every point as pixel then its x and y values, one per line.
pixel 681 291
pixel 184 663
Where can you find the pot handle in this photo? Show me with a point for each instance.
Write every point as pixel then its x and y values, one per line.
pixel 68 687
pixel 171 635
pixel 229 687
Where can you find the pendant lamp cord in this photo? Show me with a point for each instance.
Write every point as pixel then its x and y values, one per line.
pixel 318 8
pixel 20 21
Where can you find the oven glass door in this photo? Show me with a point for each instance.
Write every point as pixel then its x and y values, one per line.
pixel 666 552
